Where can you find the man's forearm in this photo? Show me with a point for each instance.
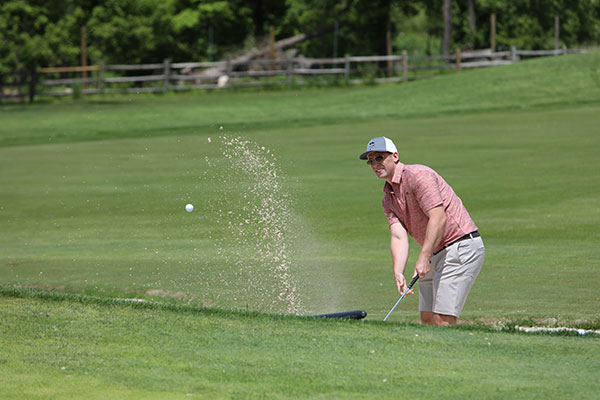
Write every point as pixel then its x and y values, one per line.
pixel 435 231
pixel 399 249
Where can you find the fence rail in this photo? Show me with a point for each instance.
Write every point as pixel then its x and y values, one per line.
pixel 167 76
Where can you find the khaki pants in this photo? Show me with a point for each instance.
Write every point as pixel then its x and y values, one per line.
pixel 453 271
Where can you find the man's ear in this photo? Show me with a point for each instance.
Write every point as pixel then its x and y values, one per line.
pixel 396 158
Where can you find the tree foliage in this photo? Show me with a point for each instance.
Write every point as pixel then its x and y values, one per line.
pixel 362 24
pixel 36 33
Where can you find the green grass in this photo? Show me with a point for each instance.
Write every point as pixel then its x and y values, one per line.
pixel 108 216
pixel 91 203
pixel 564 81
pixel 57 346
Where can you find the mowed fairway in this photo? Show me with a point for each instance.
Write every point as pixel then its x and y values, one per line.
pixel 92 198
pixel 98 350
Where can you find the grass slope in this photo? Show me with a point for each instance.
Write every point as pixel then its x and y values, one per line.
pixel 57 346
pixel 107 217
pixel 559 81
pixel 91 202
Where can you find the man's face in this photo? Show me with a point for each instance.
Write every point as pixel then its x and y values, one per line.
pixel 383 164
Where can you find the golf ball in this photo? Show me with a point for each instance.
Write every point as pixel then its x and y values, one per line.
pixel 189 207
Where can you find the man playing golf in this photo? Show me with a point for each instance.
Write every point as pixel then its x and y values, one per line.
pixel 417 201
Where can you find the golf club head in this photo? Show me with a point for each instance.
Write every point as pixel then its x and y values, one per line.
pixel 359 314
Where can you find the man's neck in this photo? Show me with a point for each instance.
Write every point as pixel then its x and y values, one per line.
pixel 390 179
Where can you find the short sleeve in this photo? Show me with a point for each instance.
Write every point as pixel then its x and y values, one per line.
pixel 426 189
pixel 389 213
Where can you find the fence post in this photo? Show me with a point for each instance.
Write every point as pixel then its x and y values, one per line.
pixel 32 83
pixel 19 81
pixel 272 65
pixel 347 67
pixel 229 66
pixel 457 60
pixel 492 35
pixel 556 32
pixel 404 66
pixel 388 40
pixel 289 69
pixel 83 61
pixel 513 54
pixel 100 77
pixel 564 49
pixel 167 67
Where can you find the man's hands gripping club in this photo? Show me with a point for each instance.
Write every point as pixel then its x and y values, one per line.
pixel 399 247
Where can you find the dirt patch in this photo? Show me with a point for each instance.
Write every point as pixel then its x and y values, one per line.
pixel 17 264
pixel 493 322
pixel 207 303
pixel 164 293
pixel 44 287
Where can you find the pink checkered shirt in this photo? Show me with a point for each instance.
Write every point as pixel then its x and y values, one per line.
pixel 417 189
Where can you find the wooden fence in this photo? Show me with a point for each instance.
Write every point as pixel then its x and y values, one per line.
pixel 169 76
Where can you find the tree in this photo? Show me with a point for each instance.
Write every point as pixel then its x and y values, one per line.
pixel 447 13
pixel 36 33
pixel 24 46
pixel 526 24
pixel 363 24
pixel 472 23
pixel 266 13
pixel 529 24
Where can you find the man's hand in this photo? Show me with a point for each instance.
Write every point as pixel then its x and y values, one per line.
pixel 401 284
pixel 433 236
pixel 422 267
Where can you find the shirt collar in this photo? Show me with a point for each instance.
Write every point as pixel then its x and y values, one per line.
pixel 387 188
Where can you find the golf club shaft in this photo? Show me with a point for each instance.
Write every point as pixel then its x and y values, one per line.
pixel 401 297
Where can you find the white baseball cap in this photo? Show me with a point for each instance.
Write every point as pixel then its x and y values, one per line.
pixel 379 144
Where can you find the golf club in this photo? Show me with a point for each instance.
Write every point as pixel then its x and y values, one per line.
pixel 403 294
pixel 348 315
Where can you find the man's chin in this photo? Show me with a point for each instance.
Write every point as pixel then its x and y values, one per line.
pixel 381 174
